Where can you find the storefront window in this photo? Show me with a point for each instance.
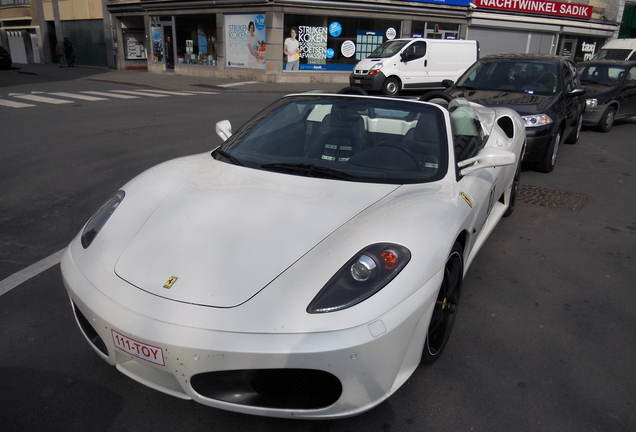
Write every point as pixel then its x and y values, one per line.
pixel 157 43
pixel 435 30
pixel 314 43
pixel 196 40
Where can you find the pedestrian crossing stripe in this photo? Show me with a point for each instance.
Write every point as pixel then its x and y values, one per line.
pixel 57 98
pixel 78 96
pixel 36 98
pixel 13 104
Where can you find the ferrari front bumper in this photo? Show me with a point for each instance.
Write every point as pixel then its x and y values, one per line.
pixel 328 374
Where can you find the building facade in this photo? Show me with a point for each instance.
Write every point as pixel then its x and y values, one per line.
pixel 296 40
pixel 320 40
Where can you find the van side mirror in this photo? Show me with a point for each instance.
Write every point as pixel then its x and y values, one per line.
pixel 488 157
pixel 224 129
pixel 447 83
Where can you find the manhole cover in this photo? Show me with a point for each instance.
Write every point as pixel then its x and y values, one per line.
pixel 539 196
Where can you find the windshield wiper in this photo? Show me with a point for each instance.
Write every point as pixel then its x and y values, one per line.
pixel 309 170
pixel 229 157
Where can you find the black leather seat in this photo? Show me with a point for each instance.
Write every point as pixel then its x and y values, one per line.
pixel 341 135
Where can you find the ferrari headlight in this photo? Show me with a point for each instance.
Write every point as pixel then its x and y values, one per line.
pixel 98 220
pixel 536 120
pixel 365 274
pixel 375 68
pixel 591 103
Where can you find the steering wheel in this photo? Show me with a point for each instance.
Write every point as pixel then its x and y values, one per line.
pixel 402 149
pixel 436 95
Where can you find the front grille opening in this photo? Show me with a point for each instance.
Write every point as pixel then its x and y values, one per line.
pixel 270 388
pixel 89 331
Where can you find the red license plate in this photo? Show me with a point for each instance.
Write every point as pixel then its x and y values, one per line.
pixel 138 349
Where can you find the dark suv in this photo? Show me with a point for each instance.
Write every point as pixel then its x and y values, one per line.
pixel 543 89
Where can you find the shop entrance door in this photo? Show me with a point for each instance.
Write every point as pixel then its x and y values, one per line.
pixel 568 46
pixel 169 48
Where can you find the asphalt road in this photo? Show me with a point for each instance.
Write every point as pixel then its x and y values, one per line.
pixel 544 338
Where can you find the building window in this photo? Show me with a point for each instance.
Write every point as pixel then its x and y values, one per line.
pixel 196 40
pixel 435 30
pixel 329 43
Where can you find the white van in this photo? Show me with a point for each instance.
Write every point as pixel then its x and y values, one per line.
pixel 618 49
pixel 401 64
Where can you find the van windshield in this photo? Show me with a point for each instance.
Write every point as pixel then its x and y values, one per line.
pixel 613 54
pixel 388 49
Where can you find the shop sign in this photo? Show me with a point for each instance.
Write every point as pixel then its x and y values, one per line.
pixel 539 6
pixel 245 41
pixel 444 2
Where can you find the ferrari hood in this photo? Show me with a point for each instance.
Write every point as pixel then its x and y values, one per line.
pixel 523 103
pixel 228 231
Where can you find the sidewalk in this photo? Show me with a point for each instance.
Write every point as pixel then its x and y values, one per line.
pixel 168 80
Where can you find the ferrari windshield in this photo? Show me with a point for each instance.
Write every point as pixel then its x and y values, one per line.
pixel 510 75
pixel 347 138
pixel 388 49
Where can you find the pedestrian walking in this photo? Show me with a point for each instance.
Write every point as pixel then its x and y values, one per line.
pixel 68 52
pixel 59 50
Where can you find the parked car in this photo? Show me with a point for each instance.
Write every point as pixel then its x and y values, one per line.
pixel 308 265
pixel 610 92
pixel 5 59
pixel 407 64
pixel 543 89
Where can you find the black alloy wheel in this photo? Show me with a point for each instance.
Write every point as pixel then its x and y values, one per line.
pixel 445 310
pixel 607 120
pixel 576 133
pixel 549 160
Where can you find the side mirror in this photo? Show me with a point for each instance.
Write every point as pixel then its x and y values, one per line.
pixel 579 91
pixel 224 129
pixel 487 158
pixel 447 83
pixel 404 57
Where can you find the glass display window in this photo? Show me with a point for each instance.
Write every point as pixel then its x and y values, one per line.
pixel 331 43
pixel 435 30
pixel 196 40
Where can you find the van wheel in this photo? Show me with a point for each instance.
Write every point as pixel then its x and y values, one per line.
pixel 391 87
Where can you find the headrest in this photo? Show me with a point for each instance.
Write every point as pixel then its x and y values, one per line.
pixel 343 116
pixel 427 129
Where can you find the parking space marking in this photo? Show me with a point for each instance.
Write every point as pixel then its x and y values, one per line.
pixel 33 270
pixel 237 84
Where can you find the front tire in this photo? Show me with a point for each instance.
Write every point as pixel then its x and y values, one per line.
pixel 391 87
pixel 549 160
pixel 439 329
pixel 607 120
pixel 512 201
pixel 576 133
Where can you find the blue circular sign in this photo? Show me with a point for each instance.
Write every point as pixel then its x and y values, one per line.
pixel 330 53
pixel 335 29
pixel 259 22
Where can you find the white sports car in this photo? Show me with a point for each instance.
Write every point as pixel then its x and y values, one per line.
pixel 305 267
